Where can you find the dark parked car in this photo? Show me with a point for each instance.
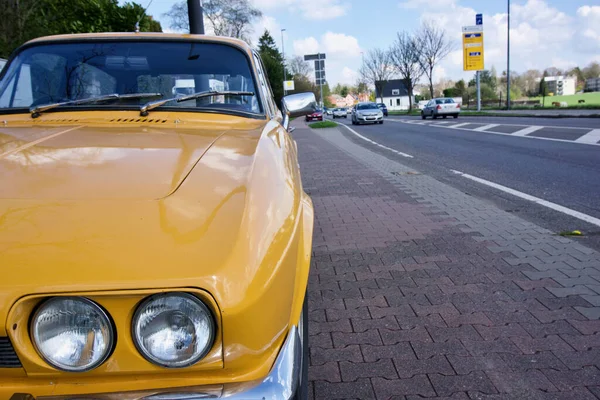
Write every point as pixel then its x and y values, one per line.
pixel 383 108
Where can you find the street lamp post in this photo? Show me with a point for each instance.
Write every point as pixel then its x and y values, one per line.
pixel 508 60
pixel 283 56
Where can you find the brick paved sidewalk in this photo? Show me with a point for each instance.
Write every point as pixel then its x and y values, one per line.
pixel 418 290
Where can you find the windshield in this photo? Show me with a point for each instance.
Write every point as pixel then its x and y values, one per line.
pixel 444 101
pixel 367 106
pixel 51 73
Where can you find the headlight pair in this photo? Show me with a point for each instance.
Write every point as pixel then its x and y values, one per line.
pixel 75 334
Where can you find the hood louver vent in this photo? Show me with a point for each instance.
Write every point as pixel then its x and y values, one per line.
pixel 138 120
pixel 55 121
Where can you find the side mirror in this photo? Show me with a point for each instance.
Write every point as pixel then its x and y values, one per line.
pixel 297 105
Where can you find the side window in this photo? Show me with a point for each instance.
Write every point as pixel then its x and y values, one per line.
pixel 23 94
pixel 397 102
pixel 264 85
pixel 390 102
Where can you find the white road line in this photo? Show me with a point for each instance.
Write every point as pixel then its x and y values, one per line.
pixel 511 134
pixel 527 131
pixel 537 200
pixel 377 144
pixel 459 125
pixel 592 137
pixel 486 127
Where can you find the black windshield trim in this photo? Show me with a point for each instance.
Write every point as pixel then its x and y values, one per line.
pixel 236 113
pixel 47 41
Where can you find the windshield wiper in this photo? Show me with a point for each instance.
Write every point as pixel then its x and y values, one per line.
pixel 153 104
pixel 37 110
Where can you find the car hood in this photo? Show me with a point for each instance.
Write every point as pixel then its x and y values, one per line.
pixel 76 162
pixel 107 208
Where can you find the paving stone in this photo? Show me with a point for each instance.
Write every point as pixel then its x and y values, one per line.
pixel 586 327
pixel 475 381
pixel 401 311
pixel 501 345
pixel 548 343
pixel 589 312
pixel 579 359
pixel 319 356
pixel 418 334
pixel 553 328
pixel 477 318
pixel 361 389
pixel 354 313
pixel 488 362
pixel 399 351
pixel 435 364
pixel 329 372
pixel 503 331
pixel 342 325
pixel 526 362
pixel 378 301
pixel 322 340
pixel 417 385
pixel 425 350
pixel 368 337
pixel 434 320
pixel 571 291
pixel 383 368
pixel 464 332
pixel 565 380
pixel 389 322
pixel 507 382
pixel 583 342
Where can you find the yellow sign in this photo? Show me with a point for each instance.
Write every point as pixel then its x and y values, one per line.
pixel 473 59
pixel 288 85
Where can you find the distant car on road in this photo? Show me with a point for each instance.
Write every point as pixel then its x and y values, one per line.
pixel 329 111
pixel 315 116
pixel 367 113
pixel 442 107
pixel 349 110
pixel 383 109
pixel 340 113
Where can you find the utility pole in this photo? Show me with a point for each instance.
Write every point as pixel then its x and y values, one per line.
pixel 196 16
pixel 508 61
pixel 321 83
pixel 478 91
pixel 283 56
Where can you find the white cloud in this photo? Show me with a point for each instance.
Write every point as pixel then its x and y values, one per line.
pixel 348 76
pixel 339 44
pixel 413 4
pixel 309 9
pixel 269 23
pixel 307 45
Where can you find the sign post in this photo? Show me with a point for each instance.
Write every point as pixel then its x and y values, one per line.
pixel 473 52
pixel 319 71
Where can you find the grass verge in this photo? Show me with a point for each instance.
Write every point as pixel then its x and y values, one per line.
pixel 323 124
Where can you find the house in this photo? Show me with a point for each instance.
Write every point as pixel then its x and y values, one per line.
pixel 560 85
pixel 395 95
pixel 340 101
pixel 592 85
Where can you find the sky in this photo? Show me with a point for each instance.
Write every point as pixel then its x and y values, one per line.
pixel 544 33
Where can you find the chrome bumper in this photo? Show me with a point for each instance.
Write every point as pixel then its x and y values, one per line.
pixel 280 384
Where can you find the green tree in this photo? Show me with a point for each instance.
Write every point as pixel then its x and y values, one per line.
pixel 344 92
pixel 23 20
pixel 543 89
pixel 273 61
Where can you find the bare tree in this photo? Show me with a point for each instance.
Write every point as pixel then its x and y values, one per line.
pixel 377 69
pixel 434 47
pixel 299 67
pixel 404 55
pixel 232 18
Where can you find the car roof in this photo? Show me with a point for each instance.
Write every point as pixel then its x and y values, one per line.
pixel 143 36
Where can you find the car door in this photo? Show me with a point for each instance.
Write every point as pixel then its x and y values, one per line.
pixel 428 108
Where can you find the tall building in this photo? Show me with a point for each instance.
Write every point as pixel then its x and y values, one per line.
pixel 592 85
pixel 561 85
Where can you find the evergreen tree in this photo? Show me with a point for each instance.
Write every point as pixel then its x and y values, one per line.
pixel 273 62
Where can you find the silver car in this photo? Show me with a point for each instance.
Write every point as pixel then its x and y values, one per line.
pixel 339 113
pixel 442 107
pixel 367 113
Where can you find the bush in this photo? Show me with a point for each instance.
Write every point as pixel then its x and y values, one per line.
pixel 323 124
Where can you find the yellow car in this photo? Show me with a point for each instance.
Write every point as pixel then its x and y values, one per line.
pixel 155 238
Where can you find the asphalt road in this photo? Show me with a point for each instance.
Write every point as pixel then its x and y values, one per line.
pixel 565 173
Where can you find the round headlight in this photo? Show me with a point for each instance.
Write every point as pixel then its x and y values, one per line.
pixel 173 330
pixel 72 333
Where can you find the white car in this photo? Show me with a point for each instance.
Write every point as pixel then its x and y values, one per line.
pixel 442 107
pixel 339 113
pixel 365 113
